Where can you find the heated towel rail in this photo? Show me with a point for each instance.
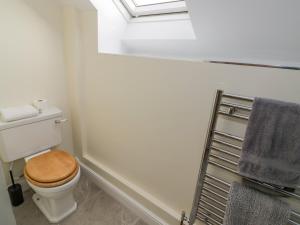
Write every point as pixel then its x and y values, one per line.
pixel 220 161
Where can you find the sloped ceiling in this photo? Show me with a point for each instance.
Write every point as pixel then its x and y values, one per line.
pixel 258 28
pixel 248 31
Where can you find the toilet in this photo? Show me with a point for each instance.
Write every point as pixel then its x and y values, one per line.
pixel 53 176
pixel 51 172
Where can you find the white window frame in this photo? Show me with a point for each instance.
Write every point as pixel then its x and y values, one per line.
pixel 135 10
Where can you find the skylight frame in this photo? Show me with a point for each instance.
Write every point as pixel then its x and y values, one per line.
pixel 138 10
pixel 158 3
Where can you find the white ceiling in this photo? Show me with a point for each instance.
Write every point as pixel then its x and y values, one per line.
pixel 257 29
pixel 253 31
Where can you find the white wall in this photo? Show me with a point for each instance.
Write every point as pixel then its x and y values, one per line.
pixel 113 22
pixel 146 119
pixel 32 58
pixel 160 29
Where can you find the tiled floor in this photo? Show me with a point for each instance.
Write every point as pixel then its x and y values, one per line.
pixel 95 207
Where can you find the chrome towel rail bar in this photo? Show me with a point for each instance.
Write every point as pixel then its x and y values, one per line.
pixel 222 153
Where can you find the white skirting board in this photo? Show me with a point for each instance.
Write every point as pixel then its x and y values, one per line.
pixel 141 211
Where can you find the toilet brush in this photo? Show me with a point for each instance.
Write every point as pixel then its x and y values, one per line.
pixel 15 191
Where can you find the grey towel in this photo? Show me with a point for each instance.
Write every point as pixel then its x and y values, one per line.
pixel 246 206
pixel 271 149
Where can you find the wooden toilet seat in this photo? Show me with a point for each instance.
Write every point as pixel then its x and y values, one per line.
pixel 51 169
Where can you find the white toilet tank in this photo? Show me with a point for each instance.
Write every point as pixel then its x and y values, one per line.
pixel 25 137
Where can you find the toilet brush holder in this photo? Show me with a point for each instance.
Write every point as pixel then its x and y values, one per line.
pixel 15 192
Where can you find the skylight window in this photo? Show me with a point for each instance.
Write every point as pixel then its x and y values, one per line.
pixel 154 7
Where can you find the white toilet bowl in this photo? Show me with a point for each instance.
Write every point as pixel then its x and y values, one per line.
pixel 53 175
pixel 56 203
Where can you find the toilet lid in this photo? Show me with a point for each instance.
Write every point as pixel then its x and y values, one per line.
pixel 52 184
pixel 50 167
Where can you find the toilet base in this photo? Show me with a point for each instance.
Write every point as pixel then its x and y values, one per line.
pixel 51 208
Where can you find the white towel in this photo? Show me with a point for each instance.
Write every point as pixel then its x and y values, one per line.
pixel 18 113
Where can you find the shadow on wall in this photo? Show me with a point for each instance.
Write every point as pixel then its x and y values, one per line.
pixel 50 11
